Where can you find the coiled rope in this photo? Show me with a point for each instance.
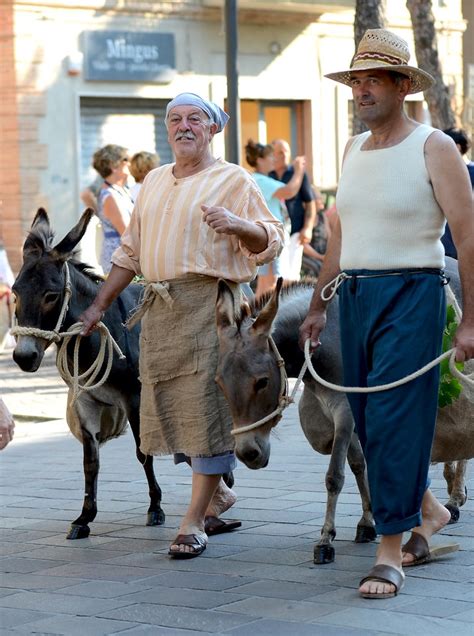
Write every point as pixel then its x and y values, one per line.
pixel 77 382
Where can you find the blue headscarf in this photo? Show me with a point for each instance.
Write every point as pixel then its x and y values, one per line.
pixel 213 111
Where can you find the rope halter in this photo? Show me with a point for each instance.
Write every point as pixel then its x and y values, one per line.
pixel 73 379
pixel 284 400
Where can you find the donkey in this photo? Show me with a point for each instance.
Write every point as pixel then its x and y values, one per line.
pixel 248 373
pixel 101 414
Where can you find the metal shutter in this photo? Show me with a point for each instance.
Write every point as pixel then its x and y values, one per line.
pixel 136 124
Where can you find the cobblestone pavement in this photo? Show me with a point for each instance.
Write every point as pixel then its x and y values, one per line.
pixel 259 580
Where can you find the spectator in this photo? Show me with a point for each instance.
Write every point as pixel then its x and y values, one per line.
pixel 90 194
pixel 313 253
pixel 301 207
pixel 114 202
pixel 140 165
pixel 261 158
pixel 462 142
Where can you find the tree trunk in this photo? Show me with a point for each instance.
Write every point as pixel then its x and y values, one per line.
pixel 369 14
pixel 426 48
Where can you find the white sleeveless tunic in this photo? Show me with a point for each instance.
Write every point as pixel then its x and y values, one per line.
pixel 390 218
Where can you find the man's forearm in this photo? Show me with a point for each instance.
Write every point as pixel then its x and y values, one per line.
pixel 253 236
pixel 309 215
pixel 117 280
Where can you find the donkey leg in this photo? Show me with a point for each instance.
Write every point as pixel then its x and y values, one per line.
pixel 324 551
pixel 366 526
pixel 155 513
pixel 80 527
pixel 455 475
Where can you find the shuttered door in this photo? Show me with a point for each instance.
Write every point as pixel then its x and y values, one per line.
pixel 136 124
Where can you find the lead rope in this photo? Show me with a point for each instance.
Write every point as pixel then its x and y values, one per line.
pixel 73 379
pixel 286 400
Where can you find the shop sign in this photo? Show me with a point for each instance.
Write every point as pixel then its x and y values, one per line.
pixel 129 56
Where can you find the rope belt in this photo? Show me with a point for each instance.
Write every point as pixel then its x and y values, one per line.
pixel 151 290
pixel 73 379
pixel 285 400
pixel 330 290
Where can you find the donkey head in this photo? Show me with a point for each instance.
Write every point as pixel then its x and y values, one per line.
pixel 40 285
pixel 248 373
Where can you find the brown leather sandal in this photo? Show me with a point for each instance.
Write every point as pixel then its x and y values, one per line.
pixel 384 574
pixel 418 546
pixel 195 541
pixel 214 525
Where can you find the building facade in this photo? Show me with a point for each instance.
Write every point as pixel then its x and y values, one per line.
pixel 78 74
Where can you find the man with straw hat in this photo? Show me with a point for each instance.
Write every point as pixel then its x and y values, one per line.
pixel 400 181
pixel 195 221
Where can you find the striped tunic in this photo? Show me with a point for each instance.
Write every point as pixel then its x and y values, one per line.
pixel 167 238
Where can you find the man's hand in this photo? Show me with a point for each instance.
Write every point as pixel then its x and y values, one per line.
pixel 220 219
pixel 306 234
pixel 311 328
pixel 299 164
pixel 90 317
pixel 464 342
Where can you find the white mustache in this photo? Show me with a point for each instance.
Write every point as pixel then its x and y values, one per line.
pixel 179 136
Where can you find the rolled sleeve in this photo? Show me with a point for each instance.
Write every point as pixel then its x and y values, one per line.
pixel 256 210
pixel 274 230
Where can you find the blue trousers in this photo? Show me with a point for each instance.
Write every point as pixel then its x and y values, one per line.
pixel 392 325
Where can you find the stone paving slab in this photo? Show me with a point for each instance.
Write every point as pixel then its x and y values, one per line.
pixel 260 579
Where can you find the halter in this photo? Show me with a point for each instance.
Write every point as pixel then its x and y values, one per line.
pixel 284 400
pixel 73 379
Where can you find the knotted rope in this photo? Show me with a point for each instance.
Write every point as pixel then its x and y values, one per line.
pixel 73 379
pixel 160 288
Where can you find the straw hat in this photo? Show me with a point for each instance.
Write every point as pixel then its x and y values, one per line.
pixel 383 50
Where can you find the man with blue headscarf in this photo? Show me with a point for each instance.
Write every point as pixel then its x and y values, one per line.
pixel 195 221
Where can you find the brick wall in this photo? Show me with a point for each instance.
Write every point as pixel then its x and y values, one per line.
pixel 11 233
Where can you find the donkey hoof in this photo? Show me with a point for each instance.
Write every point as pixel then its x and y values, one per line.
pixel 454 510
pixel 78 532
pixel 155 517
pixel 324 554
pixel 365 534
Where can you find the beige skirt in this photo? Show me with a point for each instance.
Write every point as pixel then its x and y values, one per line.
pixel 182 409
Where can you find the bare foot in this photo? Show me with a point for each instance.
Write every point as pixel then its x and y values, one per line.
pixel 435 517
pixel 188 529
pixel 388 553
pixel 379 588
pixel 222 500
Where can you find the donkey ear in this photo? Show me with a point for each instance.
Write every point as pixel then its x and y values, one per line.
pixel 64 248
pixel 263 324
pixel 225 309
pixel 37 241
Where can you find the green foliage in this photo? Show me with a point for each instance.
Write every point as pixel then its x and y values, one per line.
pixel 449 387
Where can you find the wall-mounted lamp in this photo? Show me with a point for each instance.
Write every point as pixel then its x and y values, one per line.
pixel 74 63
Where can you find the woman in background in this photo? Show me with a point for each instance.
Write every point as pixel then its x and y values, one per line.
pixel 114 202
pixel 140 165
pixel 260 157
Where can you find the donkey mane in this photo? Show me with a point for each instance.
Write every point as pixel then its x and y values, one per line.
pixel 290 293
